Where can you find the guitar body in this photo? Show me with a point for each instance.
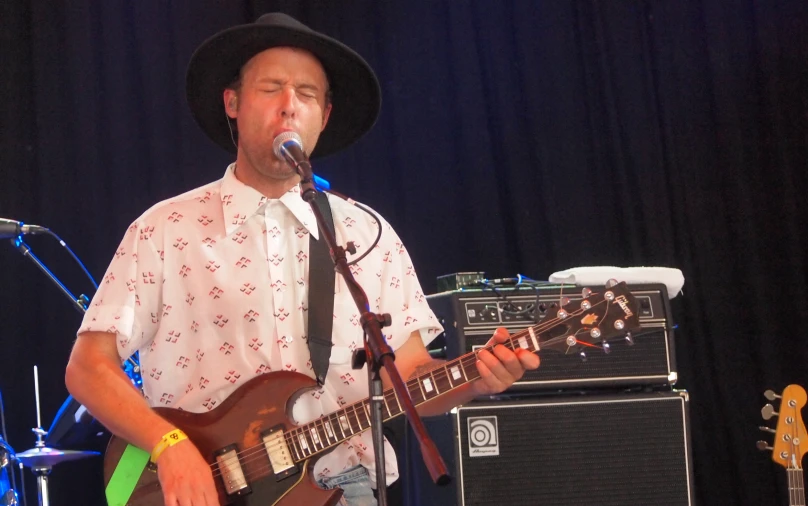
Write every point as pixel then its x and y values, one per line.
pixel 240 420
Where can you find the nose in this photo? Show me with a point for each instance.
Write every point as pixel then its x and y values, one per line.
pixel 288 105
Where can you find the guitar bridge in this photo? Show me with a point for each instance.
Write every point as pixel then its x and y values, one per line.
pixel 280 458
pixel 232 473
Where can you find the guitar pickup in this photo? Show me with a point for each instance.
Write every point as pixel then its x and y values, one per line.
pixel 232 473
pixel 277 449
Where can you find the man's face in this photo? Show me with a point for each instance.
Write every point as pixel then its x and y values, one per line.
pixel 281 89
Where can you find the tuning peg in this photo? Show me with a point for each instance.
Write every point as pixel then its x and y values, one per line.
pixel 769 394
pixel 767 429
pixel 763 446
pixel 586 292
pixel 595 333
pixel 583 356
pixel 619 324
pixel 610 283
pixel 564 301
pixel 629 339
pixel 768 412
pixel 606 348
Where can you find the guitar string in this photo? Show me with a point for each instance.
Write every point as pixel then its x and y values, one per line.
pixel 254 452
pixel 258 452
pixel 251 453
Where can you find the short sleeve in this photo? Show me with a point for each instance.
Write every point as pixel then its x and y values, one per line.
pixel 401 294
pixel 128 300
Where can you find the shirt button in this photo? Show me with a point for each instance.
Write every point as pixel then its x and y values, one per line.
pixel 288 339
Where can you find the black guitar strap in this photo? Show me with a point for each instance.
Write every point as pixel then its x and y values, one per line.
pixel 321 295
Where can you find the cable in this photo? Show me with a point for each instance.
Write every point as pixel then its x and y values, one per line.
pixel 372 214
pixel 64 245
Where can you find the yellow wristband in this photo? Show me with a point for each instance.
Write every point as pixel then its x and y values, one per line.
pixel 169 439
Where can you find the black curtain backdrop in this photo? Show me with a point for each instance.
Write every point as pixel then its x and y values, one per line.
pixel 515 137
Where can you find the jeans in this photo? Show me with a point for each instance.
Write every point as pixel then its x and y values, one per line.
pixel 355 485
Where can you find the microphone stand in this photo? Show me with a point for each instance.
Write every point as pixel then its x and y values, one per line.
pixel 377 354
pixel 80 303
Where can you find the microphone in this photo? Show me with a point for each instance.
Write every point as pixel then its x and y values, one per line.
pixel 288 146
pixel 9 229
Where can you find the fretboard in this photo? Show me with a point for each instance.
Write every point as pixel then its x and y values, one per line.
pixel 796 489
pixel 326 432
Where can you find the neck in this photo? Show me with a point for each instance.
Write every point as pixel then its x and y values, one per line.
pixel 272 187
pixel 796 489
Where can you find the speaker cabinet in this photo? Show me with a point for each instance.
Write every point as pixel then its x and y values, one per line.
pixel 609 450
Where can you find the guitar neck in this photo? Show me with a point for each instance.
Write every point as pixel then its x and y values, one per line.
pixel 326 432
pixel 796 489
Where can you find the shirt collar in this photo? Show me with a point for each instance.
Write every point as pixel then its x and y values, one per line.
pixel 240 202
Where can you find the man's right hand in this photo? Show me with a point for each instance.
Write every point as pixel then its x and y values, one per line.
pixel 185 477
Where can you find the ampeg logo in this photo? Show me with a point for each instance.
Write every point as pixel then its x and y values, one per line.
pixel 483 436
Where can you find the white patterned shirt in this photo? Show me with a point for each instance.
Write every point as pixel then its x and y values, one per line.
pixel 211 287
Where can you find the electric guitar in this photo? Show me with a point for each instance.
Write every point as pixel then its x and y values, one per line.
pixel 787 449
pixel 259 457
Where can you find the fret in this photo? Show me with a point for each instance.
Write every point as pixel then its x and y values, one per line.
pixel 448 376
pixel 434 383
pixel 344 424
pixel 395 395
pixel 315 436
pixel 454 374
pixel 304 443
pixel 420 387
pixel 366 424
pixel 389 413
pixel 367 407
pixel 358 421
pixel 522 341
pixel 329 430
pixel 533 338
pixel 290 443
pixel 442 383
pixel 427 387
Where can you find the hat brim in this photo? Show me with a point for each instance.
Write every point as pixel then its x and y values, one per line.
pixel 355 92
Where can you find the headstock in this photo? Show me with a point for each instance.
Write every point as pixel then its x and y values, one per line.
pixel 592 322
pixel 789 437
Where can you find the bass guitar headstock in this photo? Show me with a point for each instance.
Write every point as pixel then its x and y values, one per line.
pixel 789 436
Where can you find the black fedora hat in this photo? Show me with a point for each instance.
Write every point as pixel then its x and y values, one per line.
pixel 356 96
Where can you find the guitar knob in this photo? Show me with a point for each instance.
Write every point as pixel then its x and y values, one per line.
pixel 763 446
pixel 767 429
pixel 768 412
pixel 769 394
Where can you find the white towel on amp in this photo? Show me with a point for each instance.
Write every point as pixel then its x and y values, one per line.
pixel 594 276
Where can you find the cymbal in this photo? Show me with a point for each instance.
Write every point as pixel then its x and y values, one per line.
pixel 49 457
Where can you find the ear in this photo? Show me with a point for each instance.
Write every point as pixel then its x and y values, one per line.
pixel 230 98
pixel 326 115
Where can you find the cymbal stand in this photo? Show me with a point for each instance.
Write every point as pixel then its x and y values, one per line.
pixel 41 471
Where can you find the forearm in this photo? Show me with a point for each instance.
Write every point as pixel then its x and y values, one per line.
pixel 97 381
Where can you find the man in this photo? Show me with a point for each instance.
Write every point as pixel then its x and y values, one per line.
pixel 211 287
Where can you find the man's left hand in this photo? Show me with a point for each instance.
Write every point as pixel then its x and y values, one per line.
pixel 500 369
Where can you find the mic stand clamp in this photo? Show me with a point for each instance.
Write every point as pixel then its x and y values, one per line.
pixel 378 354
